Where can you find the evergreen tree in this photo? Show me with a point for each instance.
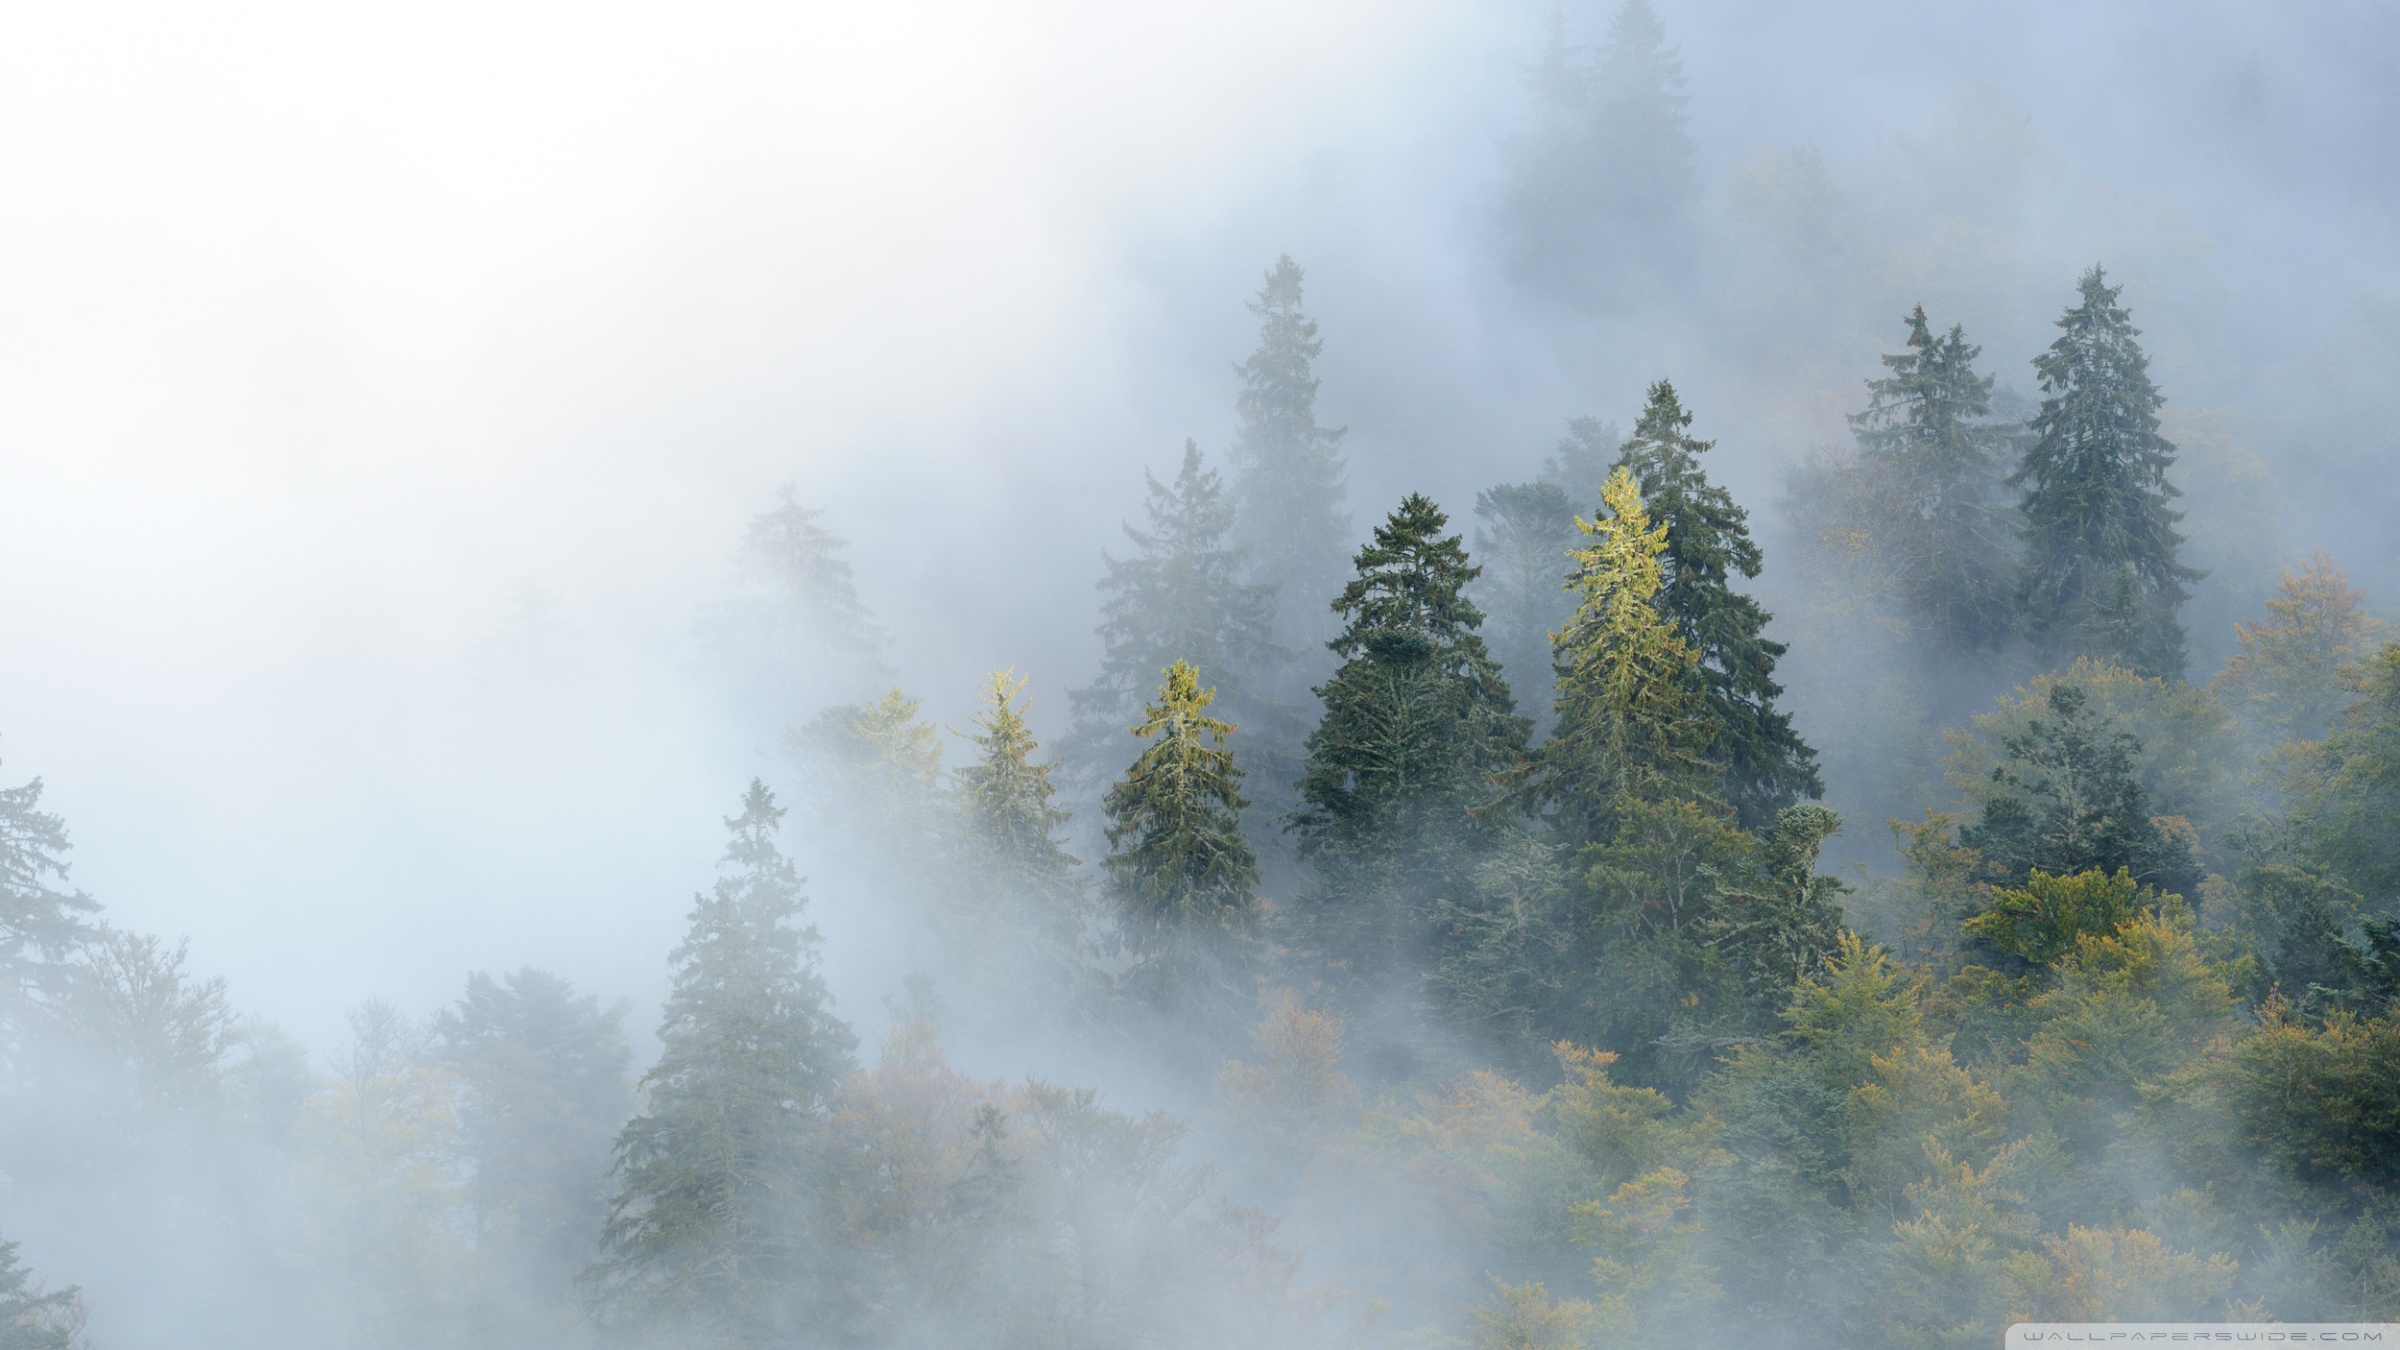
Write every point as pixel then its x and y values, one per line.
pixel 1931 461
pixel 1418 724
pixel 1582 460
pixel 1633 724
pixel 1600 190
pixel 1181 597
pixel 543 1073
pixel 1184 879
pixel 716 1230
pixel 2099 575
pixel 39 922
pixel 32 1318
pixel 2069 801
pixel 1766 766
pixel 2286 681
pixel 798 635
pixel 1528 529
pixel 1288 486
pixel 1012 823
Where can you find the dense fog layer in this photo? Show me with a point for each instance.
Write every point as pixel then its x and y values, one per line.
pixel 452 455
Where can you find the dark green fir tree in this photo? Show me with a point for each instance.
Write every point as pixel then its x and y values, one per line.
pixel 1418 727
pixel 1184 880
pixel 718 1233
pixel 1288 473
pixel 2100 576
pixel 2068 800
pixel 1932 464
pixel 1766 766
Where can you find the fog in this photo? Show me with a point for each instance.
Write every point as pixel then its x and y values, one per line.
pixel 385 390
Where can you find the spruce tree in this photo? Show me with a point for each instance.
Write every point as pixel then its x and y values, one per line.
pixel 31 1317
pixel 2099 576
pixel 39 922
pixel 1932 461
pixel 1600 191
pixel 1633 721
pixel 1180 597
pixel 796 636
pixel 1766 766
pixel 717 1232
pixel 2070 801
pixel 1288 484
pixel 1528 529
pixel 543 1073
pixel 1184 880
pixel 1418 725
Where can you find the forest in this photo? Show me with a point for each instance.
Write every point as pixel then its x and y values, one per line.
pixel 1427 923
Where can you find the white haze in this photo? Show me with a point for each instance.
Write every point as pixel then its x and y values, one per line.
pixel 383 387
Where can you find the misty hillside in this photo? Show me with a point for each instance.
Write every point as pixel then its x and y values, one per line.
pixel 1627 674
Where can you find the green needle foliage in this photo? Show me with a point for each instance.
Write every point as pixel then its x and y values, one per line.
pixel 1184 879
pixel 30 1318
pixel 1633 723
pixel 2069 801
pixel 1418 725
pixel 2100 576
pixel 1931 463
pixel 717 1231
pixel 1766 765
pixel 1040 910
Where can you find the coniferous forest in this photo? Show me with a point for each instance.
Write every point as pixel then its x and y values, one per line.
pixel 1671 879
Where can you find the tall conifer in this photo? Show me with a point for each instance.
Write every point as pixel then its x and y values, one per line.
pixel 1289 481
pixel 1012 825
pixel 1766 765
pixel 796 636
pixel 717 1232
pixel 2100 576
pixel 1418 724
pixel 1184 879
pixel 1633 722
pixel 1932 462
pixel 1180 597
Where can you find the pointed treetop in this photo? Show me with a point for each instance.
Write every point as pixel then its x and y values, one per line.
pixel 1410 580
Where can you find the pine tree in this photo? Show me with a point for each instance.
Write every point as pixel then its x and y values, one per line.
pixel 1184 879
pixel 1932 463
pixel 798 636
pixel 2099 575
pixel 1633 722
pixel 2286 681
pixel 1288 487
pixel 545 1092
pixel 1601 190
pixel 39 922
pixel 1766 766
pixel 1180 598
pixel 716 1231
pixel 1528 530
pixel 1012 822
pixel 1418 724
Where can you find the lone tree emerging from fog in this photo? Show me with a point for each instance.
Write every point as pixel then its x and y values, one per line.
pixel 38 921
pixel 1289 486
pixel 1181 597
pixel 2100 576
pixel 1766 766
pixel 717 1230
pixel 798 636
pixel 1633 722
pixel 1601 191
pixel 1184 879
pixel 1931 468
pixel 1418 724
